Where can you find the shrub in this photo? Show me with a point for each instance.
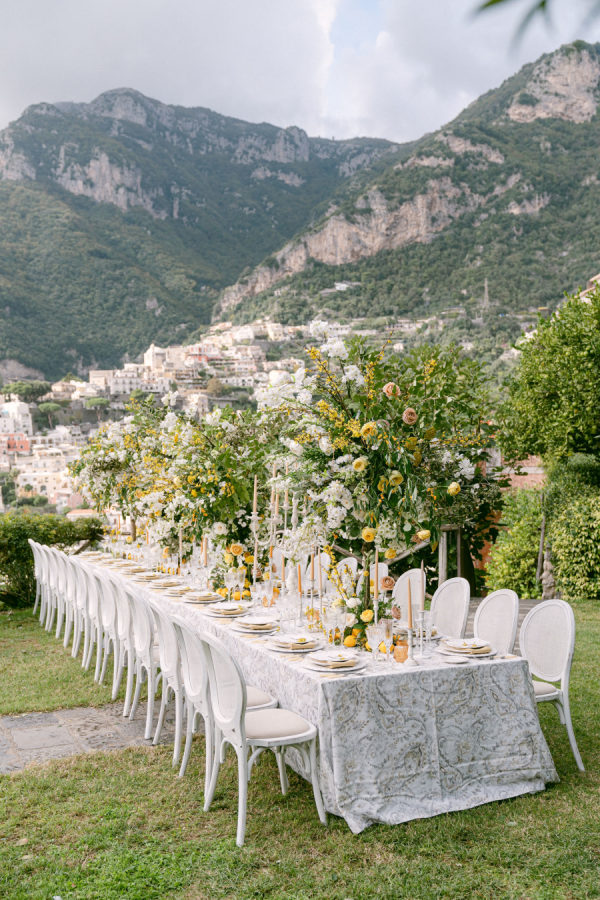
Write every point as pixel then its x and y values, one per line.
pixel 576 549
pixel 16 559
pixel 513 559
pixel 574 477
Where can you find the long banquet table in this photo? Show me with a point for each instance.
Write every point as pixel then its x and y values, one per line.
pixel 402 743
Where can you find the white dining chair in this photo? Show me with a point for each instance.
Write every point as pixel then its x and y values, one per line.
pixel 416 579
pixel 147 658
pixel 252 731
pixel 172 676
pixel 195 679
pixel 547 642
pixel 37 572
pixel 450 607
pixel 496 620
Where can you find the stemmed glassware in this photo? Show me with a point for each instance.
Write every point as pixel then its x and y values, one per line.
pixel 388 636
pixel 375 635
pixel 230 582
pixel 240 574
pixel 424 622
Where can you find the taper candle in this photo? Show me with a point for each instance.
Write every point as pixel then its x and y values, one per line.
pixel 422 586
pixel 409 611
pixel 299 579
pixel 376 593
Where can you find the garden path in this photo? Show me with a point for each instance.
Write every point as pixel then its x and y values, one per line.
pixel 38 737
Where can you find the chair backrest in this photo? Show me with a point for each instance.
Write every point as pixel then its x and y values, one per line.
pixel 106 600
pixel 450 607
pixel 142 623
pixel 227 688
pixel 124 618
pixel 496 619
pixel 547 640
pixel 193 664
pixel 416 579
pixel 35 549
pixel 168 647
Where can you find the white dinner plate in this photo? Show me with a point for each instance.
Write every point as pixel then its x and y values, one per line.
pixel 309 649
pixel 453 654
pixel 358 669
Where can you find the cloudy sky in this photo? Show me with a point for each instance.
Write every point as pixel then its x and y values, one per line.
pixel 385 68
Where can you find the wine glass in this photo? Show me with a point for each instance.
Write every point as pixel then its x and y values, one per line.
pixel 230 582
pixel 374 639
pixel 240 573
pixel 388 636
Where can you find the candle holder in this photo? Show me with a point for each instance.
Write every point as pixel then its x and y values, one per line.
pixel 410 659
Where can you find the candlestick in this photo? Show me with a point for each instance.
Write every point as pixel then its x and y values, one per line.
pixel 255 566
pixel 376 593
pixel 255 498
pixel 410 660
pixel 205 554
pixel 180 545
pixel 409 610
pixel 312 568
pixel 422 586
pixel 299 579
pixel 320 574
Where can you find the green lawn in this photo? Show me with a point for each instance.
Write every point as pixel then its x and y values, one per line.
pixel 37 674
pixel 122 825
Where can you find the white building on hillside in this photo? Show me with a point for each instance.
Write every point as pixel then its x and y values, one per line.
pixel 15 417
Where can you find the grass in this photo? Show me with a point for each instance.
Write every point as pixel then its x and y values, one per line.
pixel 122 825
pixel 37 674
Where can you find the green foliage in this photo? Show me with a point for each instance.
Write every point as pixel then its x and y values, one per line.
pixel 576 548
pixel 552 405
pixel 513 559
pixel 16 558
pixel 27 391
pixel 577 476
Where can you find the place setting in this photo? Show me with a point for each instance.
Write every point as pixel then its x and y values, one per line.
pixel 335 661
pixel 458 651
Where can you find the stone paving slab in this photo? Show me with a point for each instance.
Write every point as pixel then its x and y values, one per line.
pixel 38 737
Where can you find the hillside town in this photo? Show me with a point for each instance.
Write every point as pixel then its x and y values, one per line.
pixel 228 365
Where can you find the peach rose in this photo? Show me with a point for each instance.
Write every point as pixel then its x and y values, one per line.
pixel 387 583
pixel 391 390
pixel 409 416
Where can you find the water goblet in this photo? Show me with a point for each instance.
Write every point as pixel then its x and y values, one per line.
pixel 374 638
pixel 388 636
pixel 230 582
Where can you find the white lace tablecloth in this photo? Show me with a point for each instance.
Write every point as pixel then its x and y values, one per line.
pixel 404 743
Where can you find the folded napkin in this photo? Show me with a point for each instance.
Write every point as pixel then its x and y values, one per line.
pixel 251 626
pixel 296 645
pixel 336 663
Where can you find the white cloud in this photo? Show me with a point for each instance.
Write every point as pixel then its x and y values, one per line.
pixel 390 68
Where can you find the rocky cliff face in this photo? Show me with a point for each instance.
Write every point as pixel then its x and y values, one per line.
pixel 562 86
pixel 443 180
pixel 104 150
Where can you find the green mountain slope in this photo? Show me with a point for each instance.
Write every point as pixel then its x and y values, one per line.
pixel 509 192
pixel 121 220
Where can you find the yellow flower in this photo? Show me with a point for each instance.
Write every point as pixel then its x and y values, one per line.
pixel 423 535
pixel 222 591
pixel 368 535
pixel 429 433
pixel 236 549
pixel 229 558
pixel 360 464
pixel 366 615
pixel 190 479
pixel 396 478
pixel 417 457
pixel 249 558
pixel 369 429
pixel 454 488
pixel 383 482
pixel 350 641
pixel 194 493
pixel 390 553
pixel 411 443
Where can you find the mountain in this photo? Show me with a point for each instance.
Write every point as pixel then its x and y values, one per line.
pixel 126 221
pixel 508 192
pixel 123 218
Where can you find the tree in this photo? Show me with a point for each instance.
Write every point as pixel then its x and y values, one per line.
pixel 99 404
pixel 216 388
pixel 538 9
pixel 552 408
pixel 27 391
pixel 48 410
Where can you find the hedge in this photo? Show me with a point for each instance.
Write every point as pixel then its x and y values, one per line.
pixel 513 558
pixel 17 580
pixel 575 544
